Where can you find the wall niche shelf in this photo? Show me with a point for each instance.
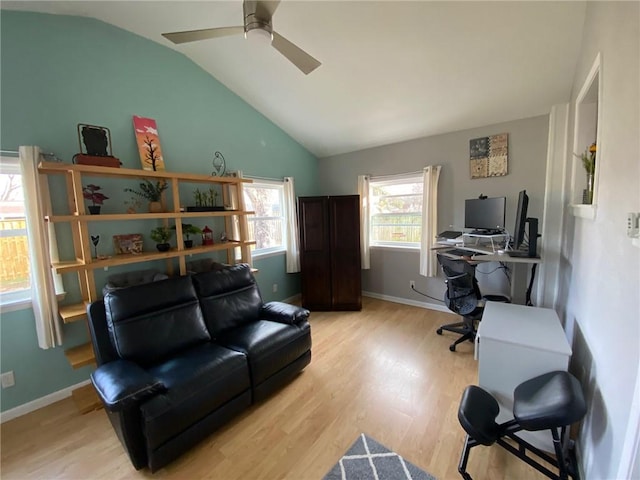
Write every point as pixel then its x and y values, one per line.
pixel 586 132
pixel 84 265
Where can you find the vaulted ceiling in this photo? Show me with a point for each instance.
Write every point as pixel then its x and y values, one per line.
pixel 391 70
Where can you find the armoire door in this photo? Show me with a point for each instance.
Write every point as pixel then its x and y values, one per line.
pixel 315 252
pixel 344 221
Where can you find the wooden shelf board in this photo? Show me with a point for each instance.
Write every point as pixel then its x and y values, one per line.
pixel 86 399
pixel 80 356
pixel 73 313
pixel 69 266
pixel 55 167
pixel 117 217
pixel 125 259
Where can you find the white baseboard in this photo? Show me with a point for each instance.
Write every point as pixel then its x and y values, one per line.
pixel 406 301
pixel 40 402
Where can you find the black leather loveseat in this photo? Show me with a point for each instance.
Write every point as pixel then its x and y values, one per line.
pixel 179 357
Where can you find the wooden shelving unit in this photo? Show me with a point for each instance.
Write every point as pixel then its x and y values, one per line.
pixel 84 265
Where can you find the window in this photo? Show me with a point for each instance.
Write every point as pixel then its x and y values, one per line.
pixel 267 226
pixel 396 211
pixel 15 282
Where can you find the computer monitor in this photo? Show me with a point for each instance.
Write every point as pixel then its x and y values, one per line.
pixel 485 215
pixel 521 220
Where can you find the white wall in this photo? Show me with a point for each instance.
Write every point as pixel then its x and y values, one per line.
pixel 391 270
pixel 600 269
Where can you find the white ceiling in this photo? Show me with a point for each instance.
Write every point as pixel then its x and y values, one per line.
pixel 391 70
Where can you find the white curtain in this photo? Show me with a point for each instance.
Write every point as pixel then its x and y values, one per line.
pixel 363 191
pixel 293 249
pixel 428 261
pixel 42 250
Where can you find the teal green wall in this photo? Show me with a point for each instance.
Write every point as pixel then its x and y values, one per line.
pixel 58 71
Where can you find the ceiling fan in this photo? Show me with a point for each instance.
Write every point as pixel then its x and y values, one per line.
pixel 257 22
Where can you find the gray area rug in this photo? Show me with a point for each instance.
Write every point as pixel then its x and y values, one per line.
pixel 369 460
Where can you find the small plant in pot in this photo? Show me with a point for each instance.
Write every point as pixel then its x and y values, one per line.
pixel 92 192
pixel 161 236
pixel 151 191
pixel 187 231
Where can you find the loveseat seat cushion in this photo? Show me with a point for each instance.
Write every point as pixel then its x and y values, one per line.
pixel 197 382
pixel 229 298
pixel 270 346
pixel 152 321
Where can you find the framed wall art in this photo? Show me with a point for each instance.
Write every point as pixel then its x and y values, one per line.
pixel 489 156
pixel 148 143
pixel 130 243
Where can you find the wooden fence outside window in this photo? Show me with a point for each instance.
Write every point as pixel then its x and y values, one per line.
pixel 14 255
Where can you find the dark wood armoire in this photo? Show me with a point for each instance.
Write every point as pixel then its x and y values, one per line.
pixel 330 252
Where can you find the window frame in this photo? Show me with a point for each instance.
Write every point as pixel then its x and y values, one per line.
pixel 274 185
pixel 401 179
pixel 17 299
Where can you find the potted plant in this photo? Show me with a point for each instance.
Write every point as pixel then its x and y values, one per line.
pixel 91 192
pixel 161 236
pixel 205 201
pixel 151 191
pixel 187 230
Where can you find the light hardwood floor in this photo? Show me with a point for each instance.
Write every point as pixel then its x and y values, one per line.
pixel 382 371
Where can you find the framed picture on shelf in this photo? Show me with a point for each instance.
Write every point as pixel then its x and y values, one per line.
pixel 130 243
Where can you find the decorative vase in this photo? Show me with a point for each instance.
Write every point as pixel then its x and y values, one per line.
pixel 163 247
pixel 188 243
pixel 155 207
pixel 94 209
pixel 587 194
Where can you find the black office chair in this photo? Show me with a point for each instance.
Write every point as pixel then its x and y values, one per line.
pixel 463 297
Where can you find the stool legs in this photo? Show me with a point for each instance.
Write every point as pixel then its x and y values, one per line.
pixel 464 457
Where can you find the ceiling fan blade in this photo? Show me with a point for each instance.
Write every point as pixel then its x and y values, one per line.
pixel 301 59
pixel 266 9
pixel 204 34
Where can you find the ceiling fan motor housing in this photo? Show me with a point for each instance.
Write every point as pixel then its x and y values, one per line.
pixel 254 23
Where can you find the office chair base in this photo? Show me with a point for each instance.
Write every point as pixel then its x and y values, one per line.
pixel 464 329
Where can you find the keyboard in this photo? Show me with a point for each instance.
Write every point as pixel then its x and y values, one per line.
pixel 459 253
pixel 520 254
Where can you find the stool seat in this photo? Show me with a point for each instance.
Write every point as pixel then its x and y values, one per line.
pixel 548 401
pixel 477 414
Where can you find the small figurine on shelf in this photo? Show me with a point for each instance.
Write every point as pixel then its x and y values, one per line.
pixel 207 236
pixel 223 237
pixel 95 239
pixel 133 204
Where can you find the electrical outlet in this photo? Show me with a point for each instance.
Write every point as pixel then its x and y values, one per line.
pixel 632 224
pixel 8 380
pixel 412 284
pixel 275 287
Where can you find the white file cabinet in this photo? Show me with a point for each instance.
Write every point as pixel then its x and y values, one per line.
pixel 515 343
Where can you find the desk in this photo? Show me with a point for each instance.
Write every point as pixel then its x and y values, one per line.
pixel 520 291
pixel 515 343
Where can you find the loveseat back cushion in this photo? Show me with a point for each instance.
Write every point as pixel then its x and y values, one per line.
pixel 229 297
pixel 152 321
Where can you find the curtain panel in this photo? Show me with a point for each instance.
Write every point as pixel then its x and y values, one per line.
pixel 292 245
pixel 365 250
pixel 43 250
pixel 428 260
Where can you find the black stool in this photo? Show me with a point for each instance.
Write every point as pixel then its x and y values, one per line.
pixel 552 401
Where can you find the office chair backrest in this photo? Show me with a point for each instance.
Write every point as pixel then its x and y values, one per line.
pixel 463 294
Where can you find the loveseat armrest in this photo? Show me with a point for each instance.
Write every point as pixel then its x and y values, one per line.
pixel 284 313
pixel 122 384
